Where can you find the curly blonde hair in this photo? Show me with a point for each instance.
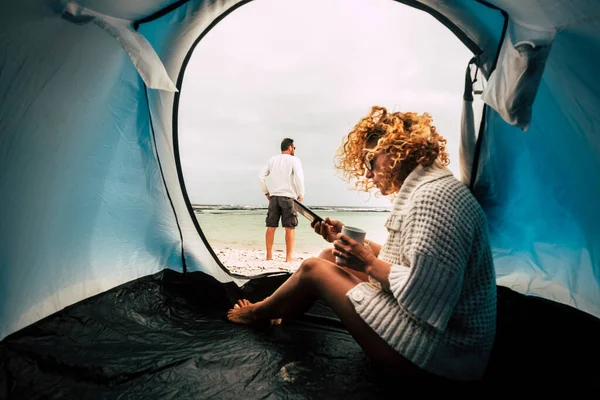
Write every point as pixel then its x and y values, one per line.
pixel 409 138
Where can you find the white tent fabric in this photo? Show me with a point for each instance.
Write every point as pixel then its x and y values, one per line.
pixel 92 191
pixel 142 54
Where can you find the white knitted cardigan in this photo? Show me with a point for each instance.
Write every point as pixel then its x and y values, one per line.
pixel 440 310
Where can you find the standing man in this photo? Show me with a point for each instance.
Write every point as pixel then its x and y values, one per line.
pixel 286 183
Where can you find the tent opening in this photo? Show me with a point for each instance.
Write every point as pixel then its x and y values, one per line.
pixel 247 85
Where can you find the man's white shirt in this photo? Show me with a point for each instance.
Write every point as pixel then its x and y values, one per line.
pixel 282 176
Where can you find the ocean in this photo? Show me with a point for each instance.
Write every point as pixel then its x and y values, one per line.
pixel 238 226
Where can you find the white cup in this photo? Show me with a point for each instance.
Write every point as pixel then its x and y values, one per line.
pixel 354 233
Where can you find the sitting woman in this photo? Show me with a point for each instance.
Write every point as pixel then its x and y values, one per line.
pixel 425 301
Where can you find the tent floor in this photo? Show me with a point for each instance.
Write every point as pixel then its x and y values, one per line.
pixel 165 336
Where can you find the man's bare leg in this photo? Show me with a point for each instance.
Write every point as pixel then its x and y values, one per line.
pixel 320 279
pixel 269 239
pixel 289 244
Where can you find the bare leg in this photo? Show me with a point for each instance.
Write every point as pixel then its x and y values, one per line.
pixel 327 254
pixel 269 239
pixel 289 244
pixel 319 279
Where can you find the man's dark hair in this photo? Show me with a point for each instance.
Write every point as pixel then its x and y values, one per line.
pixel 285 143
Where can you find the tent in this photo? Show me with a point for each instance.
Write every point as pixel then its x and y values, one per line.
pixel 108 286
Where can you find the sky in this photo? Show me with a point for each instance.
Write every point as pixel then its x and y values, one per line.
pixel 309 70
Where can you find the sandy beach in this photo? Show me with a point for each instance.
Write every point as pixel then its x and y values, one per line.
pixel 251 262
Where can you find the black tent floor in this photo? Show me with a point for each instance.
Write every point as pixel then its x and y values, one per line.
pixel 165 336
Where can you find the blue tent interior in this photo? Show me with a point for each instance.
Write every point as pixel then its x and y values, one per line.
pixel 101 256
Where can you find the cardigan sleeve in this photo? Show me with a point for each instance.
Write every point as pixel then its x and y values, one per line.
pixel 398 277
pixel 429 292
pixel 437 253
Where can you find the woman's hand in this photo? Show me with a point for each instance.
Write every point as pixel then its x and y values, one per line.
pixel 329 228
pixel 353 254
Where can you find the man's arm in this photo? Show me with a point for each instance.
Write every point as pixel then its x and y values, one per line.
pixel 262 179
pixel 299 179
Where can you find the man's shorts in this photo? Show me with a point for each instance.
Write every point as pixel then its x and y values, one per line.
pixel 281 207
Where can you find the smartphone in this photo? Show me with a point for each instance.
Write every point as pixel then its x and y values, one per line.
pixel 309 214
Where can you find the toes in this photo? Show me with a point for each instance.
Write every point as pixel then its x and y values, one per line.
pixel 236 306
pixel 246 302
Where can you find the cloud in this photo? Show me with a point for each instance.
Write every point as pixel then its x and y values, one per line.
pixel 309 69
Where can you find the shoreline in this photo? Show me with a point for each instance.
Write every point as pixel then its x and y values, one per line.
pixel 250 262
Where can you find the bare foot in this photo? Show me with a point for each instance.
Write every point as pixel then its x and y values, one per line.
pixel 243 313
